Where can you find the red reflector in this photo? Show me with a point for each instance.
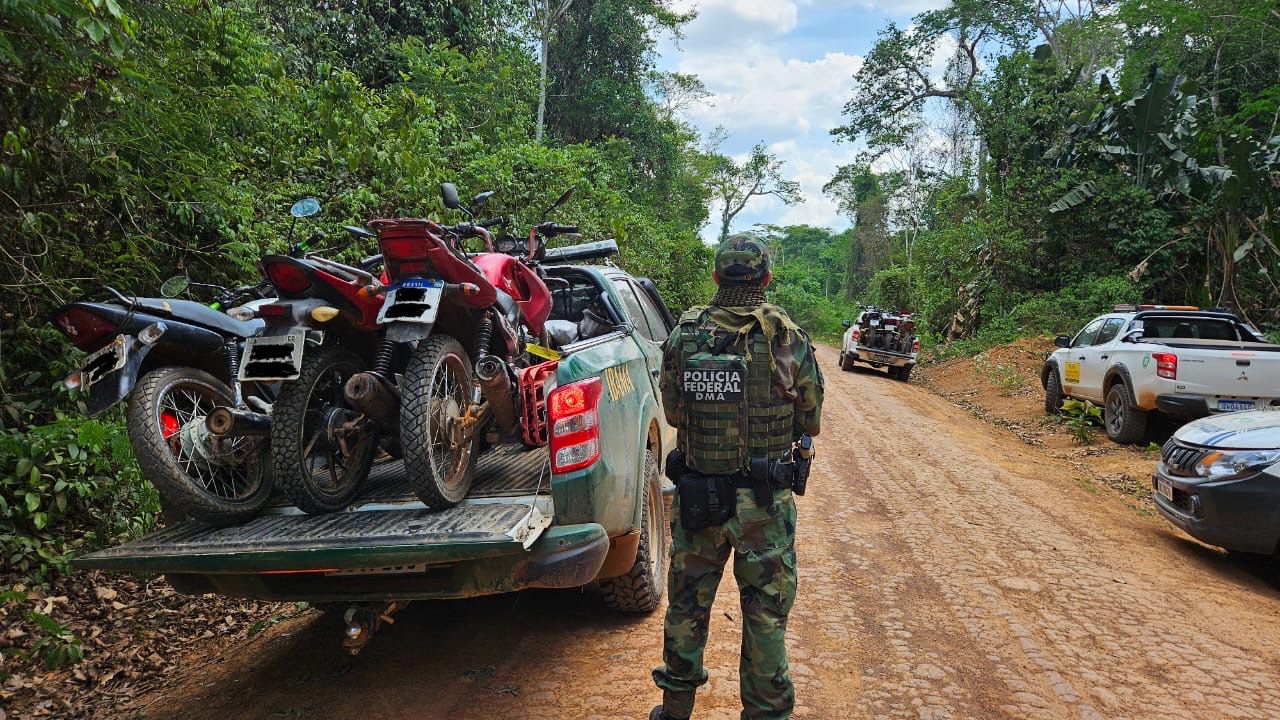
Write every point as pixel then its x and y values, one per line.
pixel 299 572
pixel 287 278
pixel 274 310
pixel 1166 365
pixel 83 327
pixel 915 345
pixel 405 248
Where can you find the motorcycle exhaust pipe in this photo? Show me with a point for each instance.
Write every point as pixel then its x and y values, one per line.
pixel 371 395
pixel 495 385
pixel 226 422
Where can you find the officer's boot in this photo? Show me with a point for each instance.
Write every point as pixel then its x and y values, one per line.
pixel 675 706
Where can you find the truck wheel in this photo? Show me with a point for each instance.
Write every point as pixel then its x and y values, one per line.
pixel 1052 393
pixel 219 482
pixel 846 362
pixel 904 373
pixel 640 589
pixel 1125 423
pixel 319 454
pixel 437 388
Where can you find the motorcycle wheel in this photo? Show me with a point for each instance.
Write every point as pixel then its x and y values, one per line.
pixel 220 483
pixel 321 448
pixel 436 397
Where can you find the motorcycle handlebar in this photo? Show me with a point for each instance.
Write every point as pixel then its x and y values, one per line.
pixel 550 229
pixel 500 220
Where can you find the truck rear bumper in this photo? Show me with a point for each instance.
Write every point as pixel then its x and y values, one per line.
pixel 563 557
pixel 882 357
pixel 1182 406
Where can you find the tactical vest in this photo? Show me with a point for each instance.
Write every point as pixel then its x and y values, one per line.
pixel 726 398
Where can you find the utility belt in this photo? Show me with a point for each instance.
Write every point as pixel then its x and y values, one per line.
pixel 712 500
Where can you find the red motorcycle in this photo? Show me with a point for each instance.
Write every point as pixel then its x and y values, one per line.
pixel 468 318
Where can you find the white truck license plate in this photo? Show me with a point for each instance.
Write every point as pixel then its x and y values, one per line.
pixel 1235 405
pixel 1165 488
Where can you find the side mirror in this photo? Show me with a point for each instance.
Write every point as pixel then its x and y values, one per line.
pixel 449 192
pixel 305 207
pixel 174 286
pixel 846 324
pixel 1062 341
pixel 564 198
pixel 481 199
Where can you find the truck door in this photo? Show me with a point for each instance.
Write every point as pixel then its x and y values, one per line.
pixel 651 330
pixel 1093 370
pixel 1080 366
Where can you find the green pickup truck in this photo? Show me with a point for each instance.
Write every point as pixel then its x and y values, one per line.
pixel 528 522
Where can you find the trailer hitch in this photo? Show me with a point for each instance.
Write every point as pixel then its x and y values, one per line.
pixel 364 620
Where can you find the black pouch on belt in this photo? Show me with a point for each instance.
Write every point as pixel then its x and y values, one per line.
pixel 706 500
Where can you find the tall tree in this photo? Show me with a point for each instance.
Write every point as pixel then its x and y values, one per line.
pixel 733 185
pixel 546 13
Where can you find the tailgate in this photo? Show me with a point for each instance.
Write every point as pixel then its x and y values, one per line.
pixel 1251 374
pixel 340 541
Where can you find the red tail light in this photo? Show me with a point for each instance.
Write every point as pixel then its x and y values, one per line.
pixel 83 327
pixel 287 277
pixel 1166 365
pixel 915 345
pixel 405 248
pixel 856 335
pixel 275 310
pixel 574 412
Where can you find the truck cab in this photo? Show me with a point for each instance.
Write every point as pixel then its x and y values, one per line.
pixel 587 507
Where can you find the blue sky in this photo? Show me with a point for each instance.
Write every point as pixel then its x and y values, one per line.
pixel 779 72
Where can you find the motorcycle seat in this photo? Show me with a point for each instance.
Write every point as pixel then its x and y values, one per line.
pixel 200 314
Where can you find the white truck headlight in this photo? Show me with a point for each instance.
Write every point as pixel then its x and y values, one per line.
pixel 1222 465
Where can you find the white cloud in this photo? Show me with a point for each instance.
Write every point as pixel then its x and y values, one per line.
pixel 903 8
pixel 774 16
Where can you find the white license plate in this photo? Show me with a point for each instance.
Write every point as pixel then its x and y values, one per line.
pixel 882 358
pixel 415 300
pixel 273 358
pixel 1165 488
pixel 104 362
pixel 875 323
pixel 1235 405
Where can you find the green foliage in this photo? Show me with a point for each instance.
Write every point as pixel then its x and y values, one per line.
pixel 67 486
pixel 57 647
pixel 1081 418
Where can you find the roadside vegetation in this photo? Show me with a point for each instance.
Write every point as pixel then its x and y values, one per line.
pixel 1071 155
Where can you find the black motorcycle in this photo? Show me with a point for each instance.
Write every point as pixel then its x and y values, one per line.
pixel 176 361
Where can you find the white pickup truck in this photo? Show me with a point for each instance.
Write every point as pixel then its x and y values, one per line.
pixel 1178 360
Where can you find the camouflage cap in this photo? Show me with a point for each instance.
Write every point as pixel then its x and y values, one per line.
pixel 742 258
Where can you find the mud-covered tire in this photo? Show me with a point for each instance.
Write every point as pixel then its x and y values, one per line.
pixel 904 373
pixel 640 589
pixel 1052 393
pixel 216 495
pixel 437 485
pixel 846 362
pixel 1125 423
pixel 291 435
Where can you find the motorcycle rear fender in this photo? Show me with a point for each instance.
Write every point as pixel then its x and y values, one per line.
pixel 403 332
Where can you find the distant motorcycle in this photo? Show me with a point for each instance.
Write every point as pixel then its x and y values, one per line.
pixel 177 362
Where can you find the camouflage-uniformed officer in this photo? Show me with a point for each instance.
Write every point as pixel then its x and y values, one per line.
pixel 783 403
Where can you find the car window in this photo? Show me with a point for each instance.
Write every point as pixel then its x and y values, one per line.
pixel 1086 336
pixel 652 314
pixel 632 307
pixel 1109 331
pixel 1176 328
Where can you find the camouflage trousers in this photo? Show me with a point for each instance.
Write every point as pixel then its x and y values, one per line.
pixel 764 565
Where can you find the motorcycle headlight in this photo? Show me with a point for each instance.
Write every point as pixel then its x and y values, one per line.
pixel 1222 465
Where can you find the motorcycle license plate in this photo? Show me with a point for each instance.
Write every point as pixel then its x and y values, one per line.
pixel 875 323
pixel 273 358
pixel 415 300
pixel 1165 488
pixel 1235 405
pixel 104 362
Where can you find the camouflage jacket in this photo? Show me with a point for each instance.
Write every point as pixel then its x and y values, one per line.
pixel 795 369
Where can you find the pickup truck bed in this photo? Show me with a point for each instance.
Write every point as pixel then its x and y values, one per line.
pixel 386 525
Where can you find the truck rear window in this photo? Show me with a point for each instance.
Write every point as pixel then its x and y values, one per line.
pixel 1177 328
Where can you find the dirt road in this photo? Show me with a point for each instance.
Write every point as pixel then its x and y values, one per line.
pixel 948 570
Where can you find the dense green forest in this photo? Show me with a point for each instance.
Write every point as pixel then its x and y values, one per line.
pixel 145 139
pixel 1071 155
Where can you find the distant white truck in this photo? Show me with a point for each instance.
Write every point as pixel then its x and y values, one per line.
pixel 1177 360
pixel 881 338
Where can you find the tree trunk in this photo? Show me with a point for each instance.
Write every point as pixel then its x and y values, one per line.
pixel 542 82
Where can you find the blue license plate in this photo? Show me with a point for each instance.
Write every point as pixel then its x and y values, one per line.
pixel 1235 405
pixel 422 283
